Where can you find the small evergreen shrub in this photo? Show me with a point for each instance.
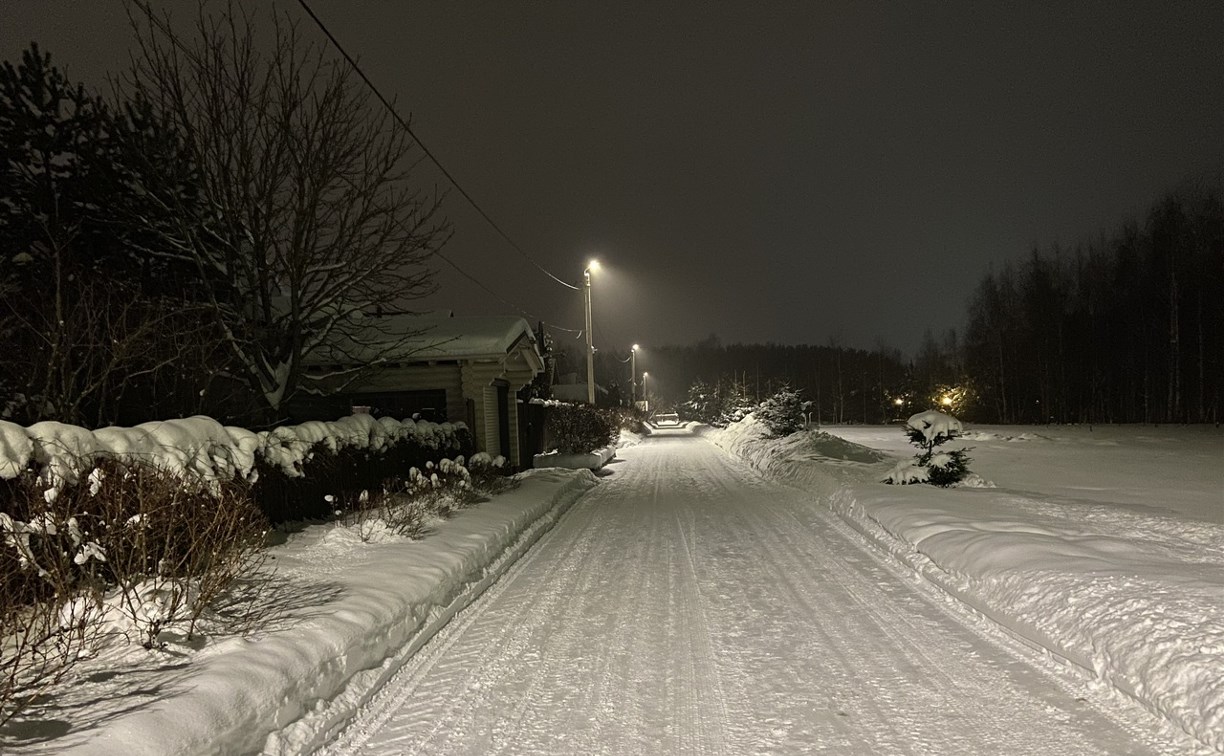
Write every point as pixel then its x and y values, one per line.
pixel 734 405
pixel 928 431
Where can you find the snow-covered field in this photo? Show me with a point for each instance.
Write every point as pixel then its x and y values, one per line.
pixel 1104 547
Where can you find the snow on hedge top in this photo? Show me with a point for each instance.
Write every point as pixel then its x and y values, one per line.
pixel 200 446
pixel 934 424
pixel 16 449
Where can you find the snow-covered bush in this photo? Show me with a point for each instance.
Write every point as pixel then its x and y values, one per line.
pixel 45 628
pixel 490 474
pixel 928 430
pixel 782 413
pixel 127 550
pixel 155 548
pixel 404 507
pixel 580 428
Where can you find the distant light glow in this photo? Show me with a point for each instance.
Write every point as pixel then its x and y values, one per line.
pixel 898 401
pixel 593 266
pixel 947 401
pixel 635 347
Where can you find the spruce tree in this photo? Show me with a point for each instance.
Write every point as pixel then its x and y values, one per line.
pixel 944 468
pixel 782 413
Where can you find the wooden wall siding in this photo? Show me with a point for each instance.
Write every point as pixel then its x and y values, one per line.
pixel 477 383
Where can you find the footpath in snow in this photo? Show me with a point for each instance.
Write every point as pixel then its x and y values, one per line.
pixel 349 613
pixel 1104 550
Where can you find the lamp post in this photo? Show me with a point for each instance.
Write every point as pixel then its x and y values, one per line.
pixel 645 393
pixel 633 376
pixel 586 290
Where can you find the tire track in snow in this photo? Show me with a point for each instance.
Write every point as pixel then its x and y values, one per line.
pixel 745 495
pixel 399 698
pixel 700 636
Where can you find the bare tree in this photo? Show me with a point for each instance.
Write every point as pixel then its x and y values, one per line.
pixel 310 220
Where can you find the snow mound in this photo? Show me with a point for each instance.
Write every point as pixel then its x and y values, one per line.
pixel 591 461
pixel 834 447
pixel 977 435
pixel 627 439
pixel 906 473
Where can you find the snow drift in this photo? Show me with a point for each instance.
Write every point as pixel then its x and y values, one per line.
pixel 1130 598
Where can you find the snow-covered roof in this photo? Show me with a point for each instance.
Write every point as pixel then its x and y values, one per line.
pixel 430 336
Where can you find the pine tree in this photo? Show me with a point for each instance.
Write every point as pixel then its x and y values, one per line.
pixel 87 312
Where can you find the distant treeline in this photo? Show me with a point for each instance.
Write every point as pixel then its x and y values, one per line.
pixel 1127 327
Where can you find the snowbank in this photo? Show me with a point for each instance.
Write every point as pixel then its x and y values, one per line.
pixel 1123 595
pixel 200 446
pixel 590 461
pixel 359 611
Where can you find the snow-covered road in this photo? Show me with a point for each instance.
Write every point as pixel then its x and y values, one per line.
pixel 688 606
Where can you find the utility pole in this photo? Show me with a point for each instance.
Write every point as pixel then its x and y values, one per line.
pixel 590 337
pixel 633 376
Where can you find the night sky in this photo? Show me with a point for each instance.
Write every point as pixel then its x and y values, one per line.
pixel 786 172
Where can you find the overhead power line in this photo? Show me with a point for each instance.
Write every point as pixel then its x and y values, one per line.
pixel 498 297
pixel 395 114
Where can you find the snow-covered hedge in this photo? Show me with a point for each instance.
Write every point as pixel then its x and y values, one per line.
pixel 311 465
pixel 580 428
pixel 60 453
pixel 289 464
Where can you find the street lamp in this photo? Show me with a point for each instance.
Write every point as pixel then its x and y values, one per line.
pixel 633 376
pixel 586 290
pixel 645 393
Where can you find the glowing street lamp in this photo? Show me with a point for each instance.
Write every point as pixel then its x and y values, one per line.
pixel 586 290
pixel 633 376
